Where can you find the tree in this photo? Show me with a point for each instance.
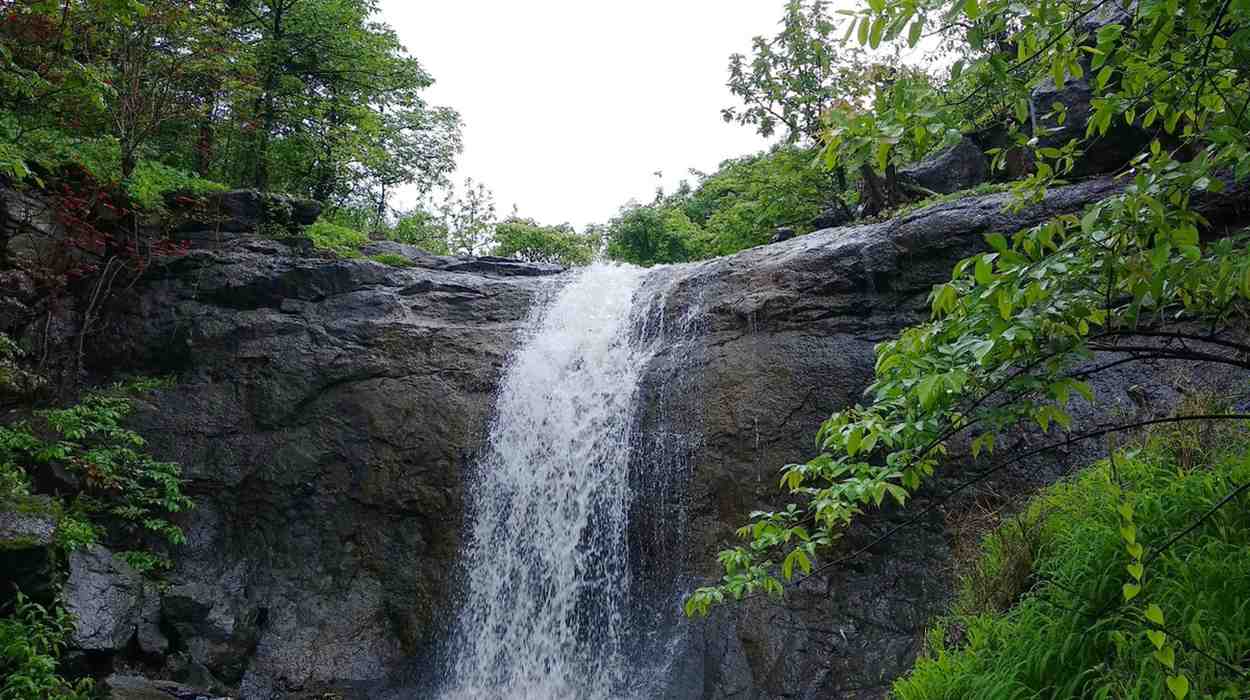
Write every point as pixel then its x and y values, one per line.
pixel 527 240
pixel 155 61
pixel 1146 274
pixel 468 218
pixel 333 103
pixel 656 234
pixel 799 77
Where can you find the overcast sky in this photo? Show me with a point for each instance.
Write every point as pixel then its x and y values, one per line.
pixel 570 106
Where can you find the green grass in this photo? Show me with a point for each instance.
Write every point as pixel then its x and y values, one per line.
pixel 392 259
pixel 341 240
pixel 1068 633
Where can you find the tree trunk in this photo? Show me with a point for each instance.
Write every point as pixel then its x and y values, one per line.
pixel 879 193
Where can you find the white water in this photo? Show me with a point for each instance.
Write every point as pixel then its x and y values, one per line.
pixel 547 572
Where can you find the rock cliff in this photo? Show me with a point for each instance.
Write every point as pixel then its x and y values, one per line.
pixel 325 412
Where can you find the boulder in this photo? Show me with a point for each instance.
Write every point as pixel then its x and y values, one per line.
pixel 958 167
pixel 835 215
pixel 124 687
pixel 27 529
pixel 783 233
pixel 238 212
pixel 105 596
pixel 1102 154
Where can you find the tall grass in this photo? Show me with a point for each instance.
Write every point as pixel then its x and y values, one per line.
pixel 1069 634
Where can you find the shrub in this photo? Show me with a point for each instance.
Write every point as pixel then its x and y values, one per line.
pixel 1073 634
pixel 340 240
pixel 151 180
pixel 31 642
pixel 392 259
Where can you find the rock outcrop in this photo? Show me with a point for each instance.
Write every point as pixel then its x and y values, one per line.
pixel 786 336
pixel 324 413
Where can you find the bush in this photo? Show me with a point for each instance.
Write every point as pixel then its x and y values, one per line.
pixel 392 259
pixel 340 240
pixel 1072 634
pixel 151 180
pixel 31 642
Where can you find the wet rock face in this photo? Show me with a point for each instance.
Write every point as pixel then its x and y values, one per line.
pixel 324 414
pixel 949 170
pixel 786 337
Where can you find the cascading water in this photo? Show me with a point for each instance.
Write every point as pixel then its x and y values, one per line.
pixel 547 569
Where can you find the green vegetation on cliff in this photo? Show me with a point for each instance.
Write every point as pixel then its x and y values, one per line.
pixel 1041 612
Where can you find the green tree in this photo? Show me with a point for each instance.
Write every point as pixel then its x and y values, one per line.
pixel 332 104
pixel 655 234
pixel 468 217
pixel 526 239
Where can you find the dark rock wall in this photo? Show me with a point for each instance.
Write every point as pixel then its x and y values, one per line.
pixel 324 413
pixel 787 336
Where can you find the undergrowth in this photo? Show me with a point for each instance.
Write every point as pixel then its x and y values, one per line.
pixel 341 240
pixel 1043 612
pixel 32 639
pixel 392 259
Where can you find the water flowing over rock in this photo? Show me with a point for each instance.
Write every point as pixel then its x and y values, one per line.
pixel 548 579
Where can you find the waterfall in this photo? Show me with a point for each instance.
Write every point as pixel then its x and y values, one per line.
pixel 547 573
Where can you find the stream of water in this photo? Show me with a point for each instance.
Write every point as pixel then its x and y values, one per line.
pixel 547 573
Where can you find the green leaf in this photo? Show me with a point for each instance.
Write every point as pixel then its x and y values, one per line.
pixel 1155 614
pixel 1135 570
pixel 1157 638
pixel 915 31
pixel 984 273
pixel 864 25
pixel 1130 591
pixel 1179 685
pixel 1166 656
pixel 874 36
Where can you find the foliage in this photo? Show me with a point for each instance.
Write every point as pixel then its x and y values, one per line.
pixel 120 482
pixel 32 639
pixel 527 240
pixel 392 259
pixel 422 229
pixel 1053 644
pixel 796 77
pixel 315 97
pixel 150 181
pixel 737 207
pixel 468 218
pixel 1019 331
pixel 340 240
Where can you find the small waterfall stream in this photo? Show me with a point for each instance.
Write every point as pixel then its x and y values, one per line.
pixel 547 573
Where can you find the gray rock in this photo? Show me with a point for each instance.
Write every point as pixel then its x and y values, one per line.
pixel 148 627
pixel 239 211
pixel 31 525
pixel 326 411
pixel 27 531
pixel 949 170
pixel 835 215
pixel 784 233
pixel 784 335
pixel 324 415
pixel 105 595
pixel 123 687
pixel 1102 154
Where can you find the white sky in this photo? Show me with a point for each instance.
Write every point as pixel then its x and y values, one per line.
pixel 570 106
